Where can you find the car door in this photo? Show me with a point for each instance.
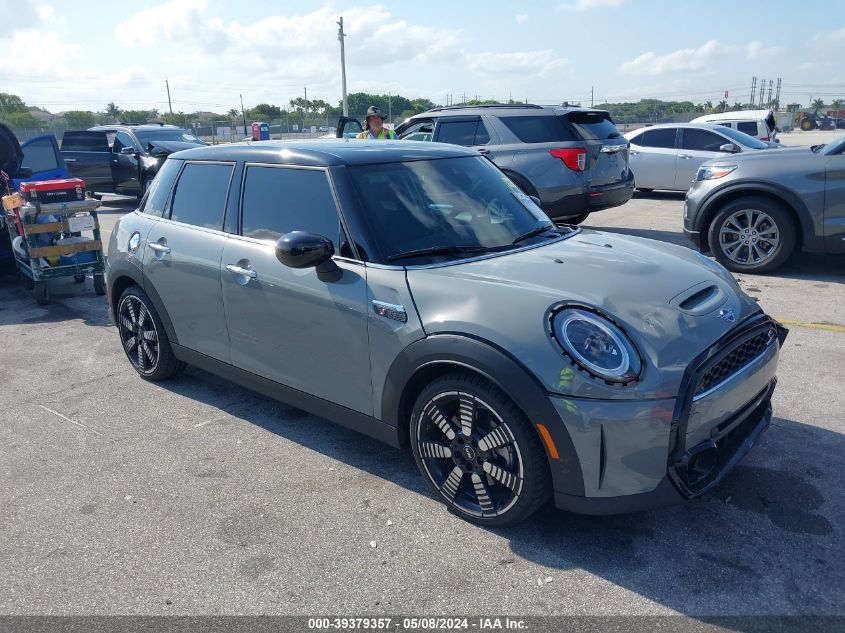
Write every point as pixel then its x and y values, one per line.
pixel 348 127
pixel 125 168
pixel 42 159
pixel 654 158
pixel 182 257
pixel 287 324
pixel 696 147
pixel 834 204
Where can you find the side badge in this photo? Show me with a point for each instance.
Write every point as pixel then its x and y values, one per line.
pixel 134 242
pixel 390 311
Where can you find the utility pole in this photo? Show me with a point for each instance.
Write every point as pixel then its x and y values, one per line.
pixel 306 108
pixel 340 36
pixel 769 104
pixel 762 92
pixel 243 113
pixel 777 94
pixel 753 90
pixel 169 105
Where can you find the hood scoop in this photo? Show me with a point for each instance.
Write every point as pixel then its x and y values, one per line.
pixel 699 299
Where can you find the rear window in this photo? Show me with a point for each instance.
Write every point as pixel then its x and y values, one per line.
pixel 40 155
pixel 85 142
pixel 155 199
pixel 748 127
pixel 660 137
pixel 539 129
pixel 593 125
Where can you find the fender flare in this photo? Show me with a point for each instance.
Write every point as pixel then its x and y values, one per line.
pixel 750 188
pixel 126 270
pixel 501 369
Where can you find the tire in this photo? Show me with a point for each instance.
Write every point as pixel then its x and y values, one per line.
pixel 27 281
pixel 493 470
pixel 137 319
pixel 761 231
pixel 575 219
pixel 79 278
pixel 99 283
pixel 41 293
pixel 807 125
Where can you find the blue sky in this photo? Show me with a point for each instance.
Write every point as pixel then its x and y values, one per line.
pixel 80 55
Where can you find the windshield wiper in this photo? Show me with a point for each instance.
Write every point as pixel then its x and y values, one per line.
pixel 533 233
pixel 440 250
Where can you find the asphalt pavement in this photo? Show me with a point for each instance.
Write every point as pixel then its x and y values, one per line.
pixel 194 496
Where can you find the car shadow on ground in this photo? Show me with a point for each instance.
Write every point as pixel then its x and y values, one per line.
pixel 770 529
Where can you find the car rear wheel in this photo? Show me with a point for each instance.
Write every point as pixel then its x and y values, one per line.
pixel 752 235
pixel 143 336
pixel 478 452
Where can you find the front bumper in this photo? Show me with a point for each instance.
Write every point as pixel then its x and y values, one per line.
pixel 636 455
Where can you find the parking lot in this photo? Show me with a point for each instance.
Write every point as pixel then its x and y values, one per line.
pixel 196 496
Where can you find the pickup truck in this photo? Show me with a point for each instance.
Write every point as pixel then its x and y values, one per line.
pixel 122 159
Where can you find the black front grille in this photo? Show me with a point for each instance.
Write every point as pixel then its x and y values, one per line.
pixel 736 359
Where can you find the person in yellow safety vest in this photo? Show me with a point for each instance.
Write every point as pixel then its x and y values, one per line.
pixel 374 128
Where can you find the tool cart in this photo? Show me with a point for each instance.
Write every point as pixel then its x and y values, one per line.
pixel 46 221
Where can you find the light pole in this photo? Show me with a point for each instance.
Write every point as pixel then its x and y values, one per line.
pixel 340 36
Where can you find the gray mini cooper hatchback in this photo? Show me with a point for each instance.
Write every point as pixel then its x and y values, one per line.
pixel 412 292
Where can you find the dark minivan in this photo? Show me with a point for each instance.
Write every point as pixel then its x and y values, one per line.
pixel 574 160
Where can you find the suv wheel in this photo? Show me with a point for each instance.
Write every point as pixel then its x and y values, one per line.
pixel 478 451
pixel 752 235
pixel 143 337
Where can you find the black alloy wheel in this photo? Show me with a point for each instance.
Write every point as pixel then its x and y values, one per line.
pixel 143 337
pixel 477 451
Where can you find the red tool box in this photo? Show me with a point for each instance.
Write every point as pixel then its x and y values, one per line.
pixel 52 191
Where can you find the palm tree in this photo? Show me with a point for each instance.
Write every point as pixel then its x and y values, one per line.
pixel 233 113
pixel 817 104
pixel 836 104
pixel 113 111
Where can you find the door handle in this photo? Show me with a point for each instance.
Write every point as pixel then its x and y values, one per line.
pixel 687 156
pixel 483 151
pixel 158 248
pixel 70 160
pixel 239 270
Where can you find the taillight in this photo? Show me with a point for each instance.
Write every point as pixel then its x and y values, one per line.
pixel 764 138
pixel 575 158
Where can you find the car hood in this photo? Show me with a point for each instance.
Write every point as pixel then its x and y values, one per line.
pixel 768 154
pixel 667 298
pixel 165 148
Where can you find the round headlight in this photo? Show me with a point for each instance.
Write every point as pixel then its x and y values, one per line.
pixel 597 345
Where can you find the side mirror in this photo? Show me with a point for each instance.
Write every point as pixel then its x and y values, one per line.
pixel 127 150
pixel 730 148
pixel 299 249
pixel 535 200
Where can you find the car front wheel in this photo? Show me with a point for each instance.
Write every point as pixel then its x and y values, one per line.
pixel 752 235
pixel 143 337
pixel 478 451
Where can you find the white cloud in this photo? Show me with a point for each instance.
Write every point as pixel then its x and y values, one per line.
pixel 524 64
pixel 756 50
pixel 586 5
pixel 165 21
pixel 825 39
pixel 651 63
pixel 521 18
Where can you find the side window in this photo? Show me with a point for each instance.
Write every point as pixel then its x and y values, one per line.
pixel 637 139
pixel 424 127
pixel 749 127
pixel 482 136
pixel 40 155
pixel 277 200
pixel 539 129
pixel 701 140
pixel 661 137
pixel 121 140
pixel 155 199
pixel 457 132
pixel 200 197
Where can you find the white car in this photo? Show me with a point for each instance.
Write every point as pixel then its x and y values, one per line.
pixel 760 124
pixel 668 156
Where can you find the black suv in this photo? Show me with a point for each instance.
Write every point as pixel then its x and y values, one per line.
pixel 122 158
pixel 574 160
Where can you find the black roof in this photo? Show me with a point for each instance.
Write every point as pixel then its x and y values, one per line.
pixel 325 152
pixel 135 126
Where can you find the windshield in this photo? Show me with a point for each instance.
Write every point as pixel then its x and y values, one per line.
pixel 742 138
pixel 834 147
pixel 450 204
pixel 166 134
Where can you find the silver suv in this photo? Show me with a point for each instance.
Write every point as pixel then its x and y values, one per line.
pixel 573 160
pixel 412 292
